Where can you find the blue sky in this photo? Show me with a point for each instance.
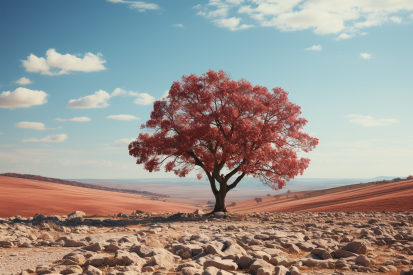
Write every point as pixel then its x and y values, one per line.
pixel 77 78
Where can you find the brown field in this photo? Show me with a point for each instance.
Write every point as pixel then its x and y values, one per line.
pixel 26 197
pixel 397 196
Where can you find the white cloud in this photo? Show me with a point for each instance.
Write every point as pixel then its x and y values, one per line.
pixel 232 24
pixel 97 100
pixel 57 64
pixel 396 19
pixel 314 48
pixel 178 25
pixel 321 16
pixel 1 133
pixel 100 99
pixel 22 98
pixel 164 95
pixel 140 6
pixel 51 138
pixel 141 98
pixel 366 55
pixel 344 36
pixel 77 119
pixel 24 81
pixel 30 125
pixel 123 142
pixel 123 117
pixel 369 121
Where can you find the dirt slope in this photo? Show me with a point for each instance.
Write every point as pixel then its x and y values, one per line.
pixel 27 197
pixel 396 196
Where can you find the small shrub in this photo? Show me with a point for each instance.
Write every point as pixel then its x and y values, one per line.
pixel 258 200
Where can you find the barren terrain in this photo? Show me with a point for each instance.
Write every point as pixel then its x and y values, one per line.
pixel 26 197
pixel 397 196
pixel 193 244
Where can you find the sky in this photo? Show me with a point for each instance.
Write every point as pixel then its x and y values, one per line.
pixel 78 78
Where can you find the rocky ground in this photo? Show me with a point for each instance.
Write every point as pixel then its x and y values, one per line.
pixel 193 244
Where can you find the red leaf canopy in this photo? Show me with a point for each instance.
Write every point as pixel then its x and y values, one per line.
pixel 212 123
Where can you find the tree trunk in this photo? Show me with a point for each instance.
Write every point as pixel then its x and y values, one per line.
pixel 220 201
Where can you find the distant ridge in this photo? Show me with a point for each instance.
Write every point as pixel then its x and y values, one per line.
pixel 80 184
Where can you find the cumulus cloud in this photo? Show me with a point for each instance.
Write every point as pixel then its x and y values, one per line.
pixel 344 36
pixel 396 19
pixel 30 125
pixel 140 6
pixel 366 55
pixel 57 64
pixel 77 119
pixel 123 142
pixel 100 99
pixel 232 23
pixel 178 25
pixel 369 121
pixel 141 98
pixel 164 95
pixel 24 81
pixel 314 48
pixel 123 117
pixel 22 98
pixel 97 100
pixel 323 17
pixel 51 138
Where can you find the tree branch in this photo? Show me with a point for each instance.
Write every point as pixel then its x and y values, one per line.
pixel 234 184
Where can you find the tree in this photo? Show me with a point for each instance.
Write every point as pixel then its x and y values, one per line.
pixel 258 200
pixel 223 129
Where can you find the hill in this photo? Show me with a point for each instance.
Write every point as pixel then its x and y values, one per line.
pixel 373 196
pixel 26 197
pixel 80 184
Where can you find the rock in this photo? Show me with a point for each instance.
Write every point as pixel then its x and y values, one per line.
pixel 221 264
pixel 76 214
pixel 211 270
pixel 191 271
pixel 322 253
pixel 234 249
pixel 66 269
pixel 362 260
pixel 383 269
pixel 260 264
pixel 215 248
pixel 245 262
pixel 99 246
pixel 112 247
pixel 98 260
pixel 264 271
pixel 74 258
pixel 223 272
pixel 91 270
pixel 357 246
pixel 339 253
pixel 74 243
pixel 293 249
pixel 294 271
pixel 199 212
pixel 186 255
pixel 162 258
pixel 279 260
pixel 280 270
pixel 309 262
pixel 126 258
pixel 219 214
pixel 142 250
